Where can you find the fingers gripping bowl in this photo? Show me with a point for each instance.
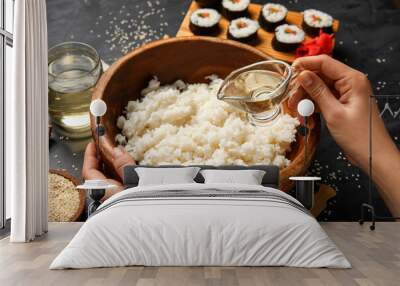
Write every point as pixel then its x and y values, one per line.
pixel 190 59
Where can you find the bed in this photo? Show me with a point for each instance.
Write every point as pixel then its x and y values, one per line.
pixel 201 224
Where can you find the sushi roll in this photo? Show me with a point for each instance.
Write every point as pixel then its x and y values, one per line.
pixel 314 21
pixel 204 21
pixel 243 30
pixel 234 9
pixel 209 3
pixel 272 15
pixel 287 38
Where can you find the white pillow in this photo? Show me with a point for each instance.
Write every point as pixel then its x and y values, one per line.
pixel 165 176
pixel 248 177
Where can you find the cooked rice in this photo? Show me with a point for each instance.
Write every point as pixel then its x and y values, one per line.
pixel 295 36
pixel 235 6
pixel 238 31
pixel 317 19
pixel 274 12
pixel 209 21
pixel 189 125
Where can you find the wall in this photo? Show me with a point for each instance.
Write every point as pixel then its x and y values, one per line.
pixel 368 40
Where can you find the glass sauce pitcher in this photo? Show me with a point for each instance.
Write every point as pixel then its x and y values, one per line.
pixel 259 90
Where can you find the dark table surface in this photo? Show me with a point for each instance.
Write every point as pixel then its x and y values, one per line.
pixel 368 40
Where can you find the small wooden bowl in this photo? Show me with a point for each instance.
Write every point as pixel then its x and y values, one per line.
pixel 189 59
pixel 82 194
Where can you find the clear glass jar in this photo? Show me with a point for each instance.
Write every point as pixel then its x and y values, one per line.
pixel 74 69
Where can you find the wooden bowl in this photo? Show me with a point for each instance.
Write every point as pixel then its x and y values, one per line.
pixel 189 59
pixel 82 195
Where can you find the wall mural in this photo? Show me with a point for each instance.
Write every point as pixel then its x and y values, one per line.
pixel 114 28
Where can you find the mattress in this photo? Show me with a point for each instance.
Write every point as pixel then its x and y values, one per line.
pixel 201 225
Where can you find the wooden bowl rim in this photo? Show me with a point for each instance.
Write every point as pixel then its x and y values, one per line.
pixel 106 77
pixel 76 182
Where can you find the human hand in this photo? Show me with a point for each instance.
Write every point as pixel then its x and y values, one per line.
pixel 342 95
pixel 92 171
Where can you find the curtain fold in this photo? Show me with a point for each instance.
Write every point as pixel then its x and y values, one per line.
pixel 27 123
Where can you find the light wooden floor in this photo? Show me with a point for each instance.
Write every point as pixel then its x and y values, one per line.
pixel 375 257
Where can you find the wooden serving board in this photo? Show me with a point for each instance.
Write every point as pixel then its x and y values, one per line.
pixel 265 37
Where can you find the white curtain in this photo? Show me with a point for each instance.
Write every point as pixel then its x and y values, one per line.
pixel 27 123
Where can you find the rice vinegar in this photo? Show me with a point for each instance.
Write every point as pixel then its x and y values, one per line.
pixel 74 70
pixel 253 91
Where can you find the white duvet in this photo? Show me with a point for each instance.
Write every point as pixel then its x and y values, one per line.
pixel 202 231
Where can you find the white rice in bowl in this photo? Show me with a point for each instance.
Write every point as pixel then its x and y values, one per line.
pixel 186 124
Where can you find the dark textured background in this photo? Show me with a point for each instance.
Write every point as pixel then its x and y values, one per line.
pixel 368 40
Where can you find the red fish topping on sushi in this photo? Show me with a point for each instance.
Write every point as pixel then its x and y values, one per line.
pixel 315 18
pixel 203 14
pixel 241 24
pixel 235 1
pixel 290 31
pixel 273 10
